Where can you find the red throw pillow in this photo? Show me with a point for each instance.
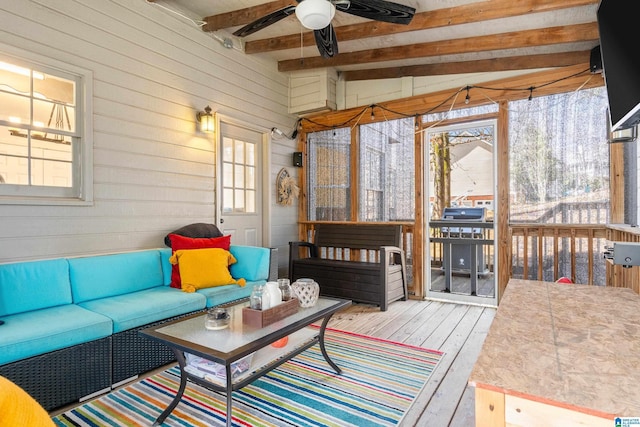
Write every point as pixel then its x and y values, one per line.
pixel 179 242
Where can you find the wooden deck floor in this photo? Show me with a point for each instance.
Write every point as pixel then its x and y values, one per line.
pixel 456 329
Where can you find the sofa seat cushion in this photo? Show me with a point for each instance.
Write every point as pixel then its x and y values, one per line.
pixel 31 285
pixel 37 332
pixel 149 305
pixel 223 294
pixel 103 276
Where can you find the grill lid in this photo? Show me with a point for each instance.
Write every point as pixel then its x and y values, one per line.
pixel 464 214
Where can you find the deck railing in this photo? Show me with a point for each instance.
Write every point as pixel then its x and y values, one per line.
pixel 550 251
pixel 538 252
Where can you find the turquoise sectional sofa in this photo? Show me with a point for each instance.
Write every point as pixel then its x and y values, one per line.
pixel 71 324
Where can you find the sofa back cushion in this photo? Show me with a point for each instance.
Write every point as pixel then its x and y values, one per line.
pixel 252 262
pixel 165 254
pixel 32 285
pixel 104 276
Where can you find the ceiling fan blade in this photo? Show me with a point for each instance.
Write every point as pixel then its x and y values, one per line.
pixel 265 21
pixel 379 10
pixel 326 41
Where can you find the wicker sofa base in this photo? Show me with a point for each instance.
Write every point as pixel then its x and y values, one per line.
pixel 59 377
pixel 134 355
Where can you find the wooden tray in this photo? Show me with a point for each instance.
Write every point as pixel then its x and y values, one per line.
pixel 260 318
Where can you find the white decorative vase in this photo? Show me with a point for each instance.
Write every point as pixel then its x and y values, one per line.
pixel 307 292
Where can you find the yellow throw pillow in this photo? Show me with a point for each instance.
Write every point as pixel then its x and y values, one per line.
pixel 204 268
pixel 18 408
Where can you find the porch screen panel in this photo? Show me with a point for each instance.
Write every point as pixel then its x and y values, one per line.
pixel 559 158
pixel 559 175
pixel 387 171
pixel 329 181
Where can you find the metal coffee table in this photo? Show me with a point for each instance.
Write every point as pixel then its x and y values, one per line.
pixel 227 346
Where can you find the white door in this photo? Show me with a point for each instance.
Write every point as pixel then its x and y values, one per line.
pixel 240 204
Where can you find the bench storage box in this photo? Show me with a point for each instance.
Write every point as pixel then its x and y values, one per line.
pixel 360 262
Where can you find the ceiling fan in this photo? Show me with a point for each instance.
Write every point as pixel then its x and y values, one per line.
pixel 316 15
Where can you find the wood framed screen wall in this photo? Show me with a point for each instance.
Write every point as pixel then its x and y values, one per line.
pixel 566 79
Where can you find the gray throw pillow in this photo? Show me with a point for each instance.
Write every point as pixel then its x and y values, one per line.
pixel 195 231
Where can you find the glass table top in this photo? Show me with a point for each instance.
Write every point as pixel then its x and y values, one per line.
pixel 192 331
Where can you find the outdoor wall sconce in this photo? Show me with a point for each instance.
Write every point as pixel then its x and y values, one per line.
pixel 207 124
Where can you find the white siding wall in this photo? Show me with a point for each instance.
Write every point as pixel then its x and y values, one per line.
pixel 153 171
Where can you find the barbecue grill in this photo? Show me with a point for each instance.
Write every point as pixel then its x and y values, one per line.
pixel 466 215
pixel 460 249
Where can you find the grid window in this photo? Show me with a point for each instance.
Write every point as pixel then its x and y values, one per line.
pixel 42 145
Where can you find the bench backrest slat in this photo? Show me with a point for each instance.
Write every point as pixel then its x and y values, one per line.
pixel 361 236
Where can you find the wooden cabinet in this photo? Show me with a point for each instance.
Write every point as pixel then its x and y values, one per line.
pixel 559 354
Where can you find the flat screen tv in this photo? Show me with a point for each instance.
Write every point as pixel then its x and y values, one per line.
pixel 620 64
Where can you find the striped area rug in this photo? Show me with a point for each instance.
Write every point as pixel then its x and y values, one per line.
pixel 379 381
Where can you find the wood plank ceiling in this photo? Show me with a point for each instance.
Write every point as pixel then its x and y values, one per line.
pixel 444 37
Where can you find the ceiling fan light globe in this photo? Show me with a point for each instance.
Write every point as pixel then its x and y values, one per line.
pixel 315 14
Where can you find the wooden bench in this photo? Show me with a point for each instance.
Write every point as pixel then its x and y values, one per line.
pixel 360 262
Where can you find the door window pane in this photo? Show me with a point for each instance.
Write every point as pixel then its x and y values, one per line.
pixel 227 200
pixel 239 200
pixel 238 177
pixel 251 178
pixel 227 173
pixel 239 151
pixel 227 150
pixel 251 201
pixel 250 155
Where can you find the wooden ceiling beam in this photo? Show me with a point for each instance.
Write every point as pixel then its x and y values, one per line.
pixel 547 82
pixel 465 14
pixel 242 16
pixel 525 62
pixel 511 40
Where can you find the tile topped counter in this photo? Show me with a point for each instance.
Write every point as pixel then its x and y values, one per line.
pixel 560 350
